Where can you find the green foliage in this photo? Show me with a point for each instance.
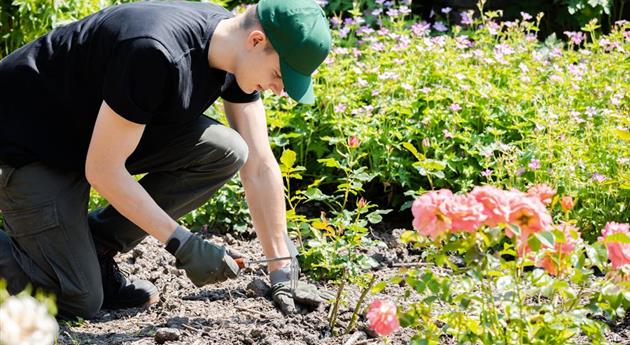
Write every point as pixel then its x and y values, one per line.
pixel 335 241
pixel 226 211
pixel 491 298
pixel 467 107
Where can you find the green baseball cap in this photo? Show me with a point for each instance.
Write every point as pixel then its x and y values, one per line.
pixel 298 31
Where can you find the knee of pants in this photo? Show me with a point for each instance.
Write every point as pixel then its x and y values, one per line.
pixel 86 306
pixel 230 145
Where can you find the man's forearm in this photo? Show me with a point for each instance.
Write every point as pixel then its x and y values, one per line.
pixel 129 198
pixel 265 197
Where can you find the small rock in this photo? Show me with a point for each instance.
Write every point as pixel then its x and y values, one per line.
pixel 229 239
pixel 256 333
pixel 311 339
pixel 136 253
pixel 258 288
pixel 166 334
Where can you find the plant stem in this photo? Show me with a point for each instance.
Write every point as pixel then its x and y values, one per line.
pixel 353 319
pixel 333 314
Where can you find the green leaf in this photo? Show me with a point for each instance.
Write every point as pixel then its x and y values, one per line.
pixel 288 159
pixel 546 238
pixel 315 194
pixel 378 287
pixel 374 218
pixel 623 134
pixel 412 149
pixel 330 162
pixel 409 236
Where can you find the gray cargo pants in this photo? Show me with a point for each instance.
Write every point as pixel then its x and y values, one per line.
pixel 49 237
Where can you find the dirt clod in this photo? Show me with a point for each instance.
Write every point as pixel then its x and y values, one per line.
pixel 258 288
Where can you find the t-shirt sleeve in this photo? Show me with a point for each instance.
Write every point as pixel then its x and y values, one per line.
pixel 233 93
pixel 136 78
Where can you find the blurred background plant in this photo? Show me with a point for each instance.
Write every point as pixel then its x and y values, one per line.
pixel 27 319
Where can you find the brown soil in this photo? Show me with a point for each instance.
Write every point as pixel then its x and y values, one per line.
pixel 238 311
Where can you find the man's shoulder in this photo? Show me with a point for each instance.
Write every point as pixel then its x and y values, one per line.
pixel 175 24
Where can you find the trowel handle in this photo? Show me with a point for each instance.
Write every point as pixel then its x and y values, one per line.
pixel 241 262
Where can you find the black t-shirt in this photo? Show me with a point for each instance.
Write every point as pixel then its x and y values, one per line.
pixel 148 61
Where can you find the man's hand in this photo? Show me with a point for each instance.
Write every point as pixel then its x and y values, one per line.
pixel 204 262
pixel 305 294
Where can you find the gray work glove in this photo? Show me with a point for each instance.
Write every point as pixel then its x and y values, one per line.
pixel 305 293
pixel 204 262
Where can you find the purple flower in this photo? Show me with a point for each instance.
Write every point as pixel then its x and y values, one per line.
pixel 404 10
pixel 486 173
pixel 420 29
pixel 343 33
pixel 378 46
pixel 526 16
pixel 576 37
pixel 349 21
pixel 335 21
pixel 439 26
pixel 466 18
pixel 377 12
pixel 534 164
pixel 340 108
pixel 362 82
pixel 446 10
pixel 455 107
pixel 425 142
pixel 448 134
pixel 392 12
pixel 520 171
pixel 598 177
pixel 493 28
pixel 425 90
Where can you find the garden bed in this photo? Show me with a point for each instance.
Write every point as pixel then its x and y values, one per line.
pixel 233 313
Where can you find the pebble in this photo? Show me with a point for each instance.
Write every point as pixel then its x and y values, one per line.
pixel 166 334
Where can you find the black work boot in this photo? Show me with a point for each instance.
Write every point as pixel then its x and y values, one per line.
pixel 120 292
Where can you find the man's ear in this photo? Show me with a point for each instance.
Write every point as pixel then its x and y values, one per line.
pixel 256 38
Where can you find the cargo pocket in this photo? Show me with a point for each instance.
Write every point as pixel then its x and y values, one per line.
pixel 44 241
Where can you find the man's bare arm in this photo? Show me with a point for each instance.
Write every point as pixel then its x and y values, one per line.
pixel 113 140
pixel 261 179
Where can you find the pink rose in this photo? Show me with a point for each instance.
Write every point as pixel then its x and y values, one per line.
pixel 529 214
pixel 353 142
pixel 464 211
pixel 382 317
pixel 496 204
pixel 567 203
pixel 427 217
pixel 618 253
pixel 542 192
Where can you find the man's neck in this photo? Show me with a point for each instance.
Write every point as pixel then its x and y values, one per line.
pixel 222 52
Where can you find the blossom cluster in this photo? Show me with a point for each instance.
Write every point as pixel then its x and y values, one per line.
pixel 522 214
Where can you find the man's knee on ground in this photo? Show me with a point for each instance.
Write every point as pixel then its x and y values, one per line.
pixel 86 306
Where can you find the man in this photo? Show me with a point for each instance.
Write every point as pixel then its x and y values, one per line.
pixel 122 92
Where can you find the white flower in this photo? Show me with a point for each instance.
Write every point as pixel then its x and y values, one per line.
pixel 25 321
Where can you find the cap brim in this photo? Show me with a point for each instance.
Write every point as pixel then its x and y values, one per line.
pixel 296 84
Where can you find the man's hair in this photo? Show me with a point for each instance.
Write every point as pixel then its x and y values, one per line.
pixel 250 21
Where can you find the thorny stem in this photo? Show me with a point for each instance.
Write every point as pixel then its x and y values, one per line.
pixel 353 319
